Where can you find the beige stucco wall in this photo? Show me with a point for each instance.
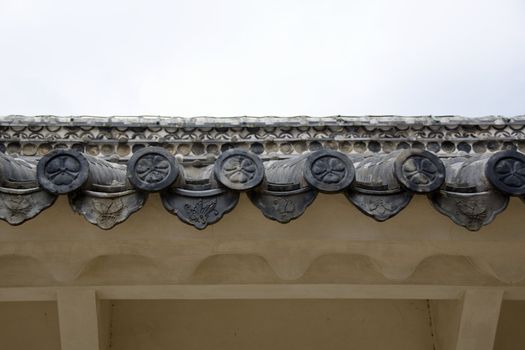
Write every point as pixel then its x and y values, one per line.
pixel 333 243
pixel 274 324
pixel 240 324
pixel 260 324
pixel 29 325
pixel 511 327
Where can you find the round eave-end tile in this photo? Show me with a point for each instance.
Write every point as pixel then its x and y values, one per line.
pixel 419 171
pixel 152 169
pixel 62 171
pixel 329 171
pixel 506 171
pixel 239 170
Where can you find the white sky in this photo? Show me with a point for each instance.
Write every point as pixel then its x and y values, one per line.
pixel 266 57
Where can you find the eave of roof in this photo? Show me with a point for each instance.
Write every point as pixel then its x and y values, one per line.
pixel 252 121
pixel 468 167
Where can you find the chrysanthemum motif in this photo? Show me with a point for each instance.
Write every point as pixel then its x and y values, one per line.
pixel 511 172
pixel 199 213
pixel 152 168
pixel 329 170
pixel 239 169
pixel 379 206
pixel 109 211
pixel 420 170
pixel 284 207
pixel 475 210
pixel 18 205
pixel 62 170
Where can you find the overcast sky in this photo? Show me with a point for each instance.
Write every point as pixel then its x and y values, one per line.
pixel 266 57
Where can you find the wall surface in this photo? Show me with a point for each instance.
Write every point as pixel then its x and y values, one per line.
pixel 275 324
pixel 29 326
pixel 511 328
pixel 333 244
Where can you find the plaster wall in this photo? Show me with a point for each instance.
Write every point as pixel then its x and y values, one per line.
pixel 271 324
pixel 332 243
pixel 232 324
pixel 29 326
pixel 511 327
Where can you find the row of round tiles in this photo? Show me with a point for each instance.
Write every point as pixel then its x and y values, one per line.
pixel 298 147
